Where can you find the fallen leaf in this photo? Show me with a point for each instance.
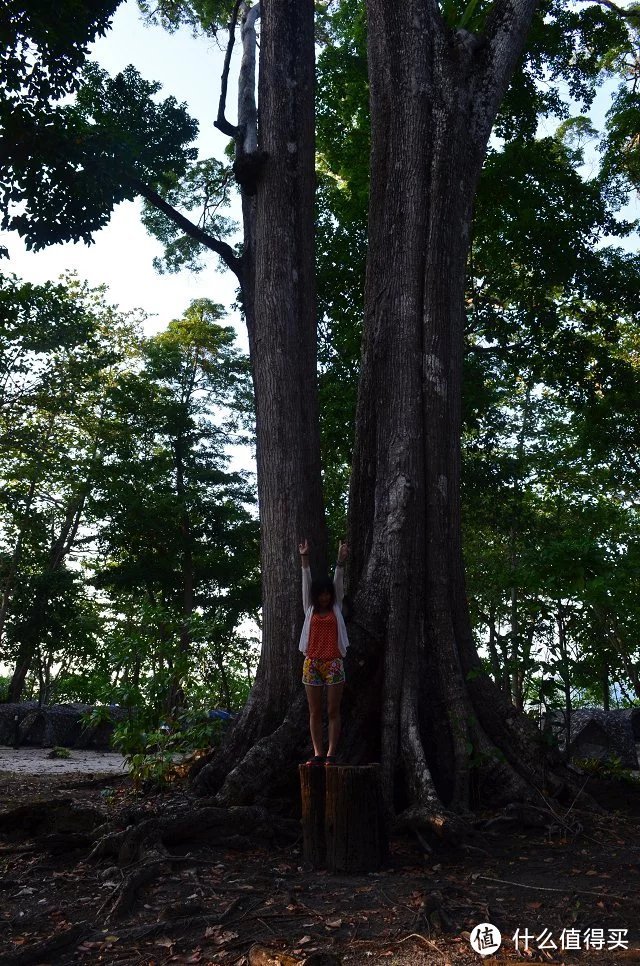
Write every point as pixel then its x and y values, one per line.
pixel 333 923
pixel 305 939
pixel 533 905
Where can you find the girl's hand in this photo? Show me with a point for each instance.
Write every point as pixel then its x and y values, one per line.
pixel 343 552
pixel 303 548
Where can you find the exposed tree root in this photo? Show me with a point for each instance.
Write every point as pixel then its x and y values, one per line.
pixel 156 861
pixel 48 950
pixel 529 816
pixel 209 824
pixel 107 844
pixel 55 815
pixel 208 774
pixel 266 761
pixel 440 828
pixel 142 850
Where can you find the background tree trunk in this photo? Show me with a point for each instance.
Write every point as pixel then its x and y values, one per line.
pixel 34 626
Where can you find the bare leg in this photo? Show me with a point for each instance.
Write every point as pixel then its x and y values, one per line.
pixel 334 697
pixel 314 697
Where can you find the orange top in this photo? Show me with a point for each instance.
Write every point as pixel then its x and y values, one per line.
pixel 323 637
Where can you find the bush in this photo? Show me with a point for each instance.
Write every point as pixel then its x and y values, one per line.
pixel 609 768
pixel 156 757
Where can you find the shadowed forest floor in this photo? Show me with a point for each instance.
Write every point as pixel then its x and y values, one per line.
pixel 212 904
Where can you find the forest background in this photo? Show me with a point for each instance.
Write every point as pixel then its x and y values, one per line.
pixel 129 546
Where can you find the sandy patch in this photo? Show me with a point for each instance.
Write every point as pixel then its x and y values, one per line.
pixel 36 761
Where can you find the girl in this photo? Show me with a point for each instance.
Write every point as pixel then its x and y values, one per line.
pixel 324 643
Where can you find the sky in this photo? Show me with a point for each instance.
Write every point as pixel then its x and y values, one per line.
pixel 188 68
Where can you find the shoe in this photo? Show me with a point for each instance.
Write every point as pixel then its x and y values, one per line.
pixel 330 760
pixel 315 761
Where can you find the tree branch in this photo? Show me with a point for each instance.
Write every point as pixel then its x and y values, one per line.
pixel 633 16
pixel 221 122
pixel 221 248
pixel 247 110
pixel 505 37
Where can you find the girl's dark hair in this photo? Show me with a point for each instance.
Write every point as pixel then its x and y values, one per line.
pixel 320 586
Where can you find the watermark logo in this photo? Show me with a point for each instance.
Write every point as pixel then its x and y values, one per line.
pixel 571 939
pixel 485 939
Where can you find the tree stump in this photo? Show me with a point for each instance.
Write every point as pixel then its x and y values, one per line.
pixel 312 793
pixel 343 822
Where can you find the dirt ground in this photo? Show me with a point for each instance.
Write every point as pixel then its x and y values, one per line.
pixel 213 904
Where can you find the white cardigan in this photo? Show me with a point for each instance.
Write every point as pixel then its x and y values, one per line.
pixel 343 640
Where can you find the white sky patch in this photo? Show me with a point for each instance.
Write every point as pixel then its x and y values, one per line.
pixel 188 68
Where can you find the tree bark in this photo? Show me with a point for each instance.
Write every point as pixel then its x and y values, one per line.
pixel 279 297
pixel 312 796
pixel 355 829
pixel 434 95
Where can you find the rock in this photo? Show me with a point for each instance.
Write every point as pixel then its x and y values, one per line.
pixel 600 734
pixel 54 725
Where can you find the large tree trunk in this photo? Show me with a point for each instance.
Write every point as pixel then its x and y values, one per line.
pixel 280 307
pixel 434 95
pixel 418 698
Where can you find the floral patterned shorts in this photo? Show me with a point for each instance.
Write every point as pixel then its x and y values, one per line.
pixel 317 672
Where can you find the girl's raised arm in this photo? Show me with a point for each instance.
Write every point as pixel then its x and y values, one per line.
pixel 338 577
pixel 303 549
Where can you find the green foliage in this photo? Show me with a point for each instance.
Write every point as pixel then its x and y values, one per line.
pixel 206 16
pixel 64 177
pixel 622 143
pixel 609 768
pixel 469 15
pixel 118 432
pixel 96 717
pixel 205 188
pixel 342 119
pixel 42 47
pixel 128 552
pixel 154 757
pixel 59 752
